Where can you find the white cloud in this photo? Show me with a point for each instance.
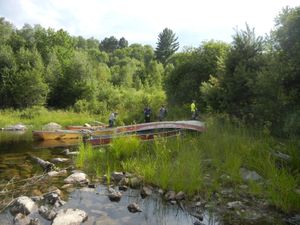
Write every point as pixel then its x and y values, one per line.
pixel 140 21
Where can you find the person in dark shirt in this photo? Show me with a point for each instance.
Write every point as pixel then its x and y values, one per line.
pixel 147 114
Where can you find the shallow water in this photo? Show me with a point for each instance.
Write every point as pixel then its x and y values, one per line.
pixel 15 165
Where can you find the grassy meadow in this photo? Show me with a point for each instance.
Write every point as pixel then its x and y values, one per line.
pixel 36 117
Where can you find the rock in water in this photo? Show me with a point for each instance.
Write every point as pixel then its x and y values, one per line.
pixel 70 217
pixel 135 182
pixel 77 177
pixel 133 208
pixel 21 219
pixel 46 213
pixel 114 195
pixel 180 196
pixel 117 176
pixel 23 205
pixel 146 191
pixel 170 195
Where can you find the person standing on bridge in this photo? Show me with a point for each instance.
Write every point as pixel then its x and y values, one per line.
pixel 194 110
pixel 147 114
pixel 112 119
pixel 162 113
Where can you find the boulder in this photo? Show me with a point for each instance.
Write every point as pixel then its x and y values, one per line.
pixel 77 178
pixel 170 195
pixel 134 208
pixel 21 219
pixel 124 181
pixel 16 127
pixel 52 126
pixel 248 175
pixel 47 213
pixel 70 217
pixel 117 176
pixel 135 182
pixel 114 195
pixel 146 191
pixel 180 196
pixel 24 205
pixel 51 198
pixel 160 191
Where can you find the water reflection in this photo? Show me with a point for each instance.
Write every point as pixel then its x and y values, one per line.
pixel 102 211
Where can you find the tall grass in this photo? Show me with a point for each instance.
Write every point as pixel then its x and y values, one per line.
pixel 124 147
pixel 196 163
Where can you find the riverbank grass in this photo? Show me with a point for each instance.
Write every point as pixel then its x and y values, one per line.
pixel 208 163
pixel 36 117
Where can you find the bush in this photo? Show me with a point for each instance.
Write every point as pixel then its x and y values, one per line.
pixel 32 112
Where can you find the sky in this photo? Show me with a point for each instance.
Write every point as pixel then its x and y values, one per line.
pixel 140 21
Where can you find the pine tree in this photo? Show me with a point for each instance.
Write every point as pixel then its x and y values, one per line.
pixel 167 45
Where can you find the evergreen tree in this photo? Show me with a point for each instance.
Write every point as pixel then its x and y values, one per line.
pixel 167 45
pixel 123 43
pixel 109 44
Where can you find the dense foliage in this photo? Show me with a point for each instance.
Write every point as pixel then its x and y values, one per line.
pixel 255 79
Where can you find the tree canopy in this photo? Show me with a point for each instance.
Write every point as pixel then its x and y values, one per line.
pixel 254 79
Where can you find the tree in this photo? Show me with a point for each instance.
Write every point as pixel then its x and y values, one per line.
pixel 167 45
pixel 8 69
pixel 287 38
pixel 92 43
pixel 6 29
pixel 287 35
pixel 77 83
pixel 28 85
pixel 123 43
pixel 109 44
pixel 193 67
pixel 245 60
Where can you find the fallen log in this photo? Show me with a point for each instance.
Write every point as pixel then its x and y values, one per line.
pixel 46 165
